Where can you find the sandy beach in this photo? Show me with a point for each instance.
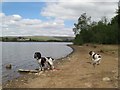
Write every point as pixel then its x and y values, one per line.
pixel 75 71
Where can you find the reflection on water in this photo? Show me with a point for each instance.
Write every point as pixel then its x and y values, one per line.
pixel 20 55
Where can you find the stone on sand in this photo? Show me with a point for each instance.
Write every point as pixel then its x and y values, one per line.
pixel 88 85
pixel 106 79
pixel 8 66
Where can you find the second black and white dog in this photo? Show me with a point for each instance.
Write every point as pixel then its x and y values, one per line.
pixel 44 62
pixel 96 58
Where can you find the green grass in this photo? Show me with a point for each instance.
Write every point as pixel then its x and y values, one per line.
pixel 43 38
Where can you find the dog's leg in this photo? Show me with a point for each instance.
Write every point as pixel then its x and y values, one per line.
pixel 92 61
pixel 46 66
pixel 40 67
pixel 51 66
pixel 94 64
pixel 43 67
pixel 98 62
pixel 50 63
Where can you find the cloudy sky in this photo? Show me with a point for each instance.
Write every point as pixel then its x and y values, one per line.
pixel 50 18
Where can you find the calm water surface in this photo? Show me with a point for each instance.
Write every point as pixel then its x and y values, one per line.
pixel 20 55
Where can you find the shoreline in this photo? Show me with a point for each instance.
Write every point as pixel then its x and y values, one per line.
pixel 73 50
pixel 24 75
pixel 69 74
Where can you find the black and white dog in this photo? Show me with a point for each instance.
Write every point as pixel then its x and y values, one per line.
pixel 96 58
pixel 44 62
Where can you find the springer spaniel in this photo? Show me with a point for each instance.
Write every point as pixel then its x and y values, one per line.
pixel 96 58
pixel 44 62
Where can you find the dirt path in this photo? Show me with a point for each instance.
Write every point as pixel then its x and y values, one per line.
pixel 76 71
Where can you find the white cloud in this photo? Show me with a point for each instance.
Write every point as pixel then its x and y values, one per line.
pixel 72 10
pixel 15 25
pixel 62 10
pixel 16 17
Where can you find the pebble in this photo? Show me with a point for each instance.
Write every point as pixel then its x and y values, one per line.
pixel 22 80
pixel 36 73
pixel 106 79
pixel 17 80
pixel 89 85
pixel 113 71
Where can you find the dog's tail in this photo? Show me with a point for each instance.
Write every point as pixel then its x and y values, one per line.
pixel 51 58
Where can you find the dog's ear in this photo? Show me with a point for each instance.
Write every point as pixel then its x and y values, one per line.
pixel 37 55
pixel 90 53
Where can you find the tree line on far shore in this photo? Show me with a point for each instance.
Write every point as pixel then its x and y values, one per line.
pixel 101 32
pixel 38 39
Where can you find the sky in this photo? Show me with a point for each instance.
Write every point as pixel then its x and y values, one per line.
pixel 54 18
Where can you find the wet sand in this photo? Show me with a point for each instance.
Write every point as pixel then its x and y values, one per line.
pixel 75 71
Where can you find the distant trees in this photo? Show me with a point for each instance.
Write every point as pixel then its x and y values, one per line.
pixel 101 32
pixel 81 27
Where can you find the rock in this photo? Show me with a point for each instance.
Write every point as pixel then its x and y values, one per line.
pixel 39 73
pixel 27 71
pixel 89 85
pixel 17 80
pixel 106 79
pixel 36 73
pixel 8 66
pixel 22 80
pixel 114 71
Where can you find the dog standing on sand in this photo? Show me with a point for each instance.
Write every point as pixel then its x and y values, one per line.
pixel 96 58
pixel 44 62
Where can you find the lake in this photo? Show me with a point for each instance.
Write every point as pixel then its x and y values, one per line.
pixel 20 55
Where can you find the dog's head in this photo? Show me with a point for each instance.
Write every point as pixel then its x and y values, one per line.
pixel 37 55
pixel 90 53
